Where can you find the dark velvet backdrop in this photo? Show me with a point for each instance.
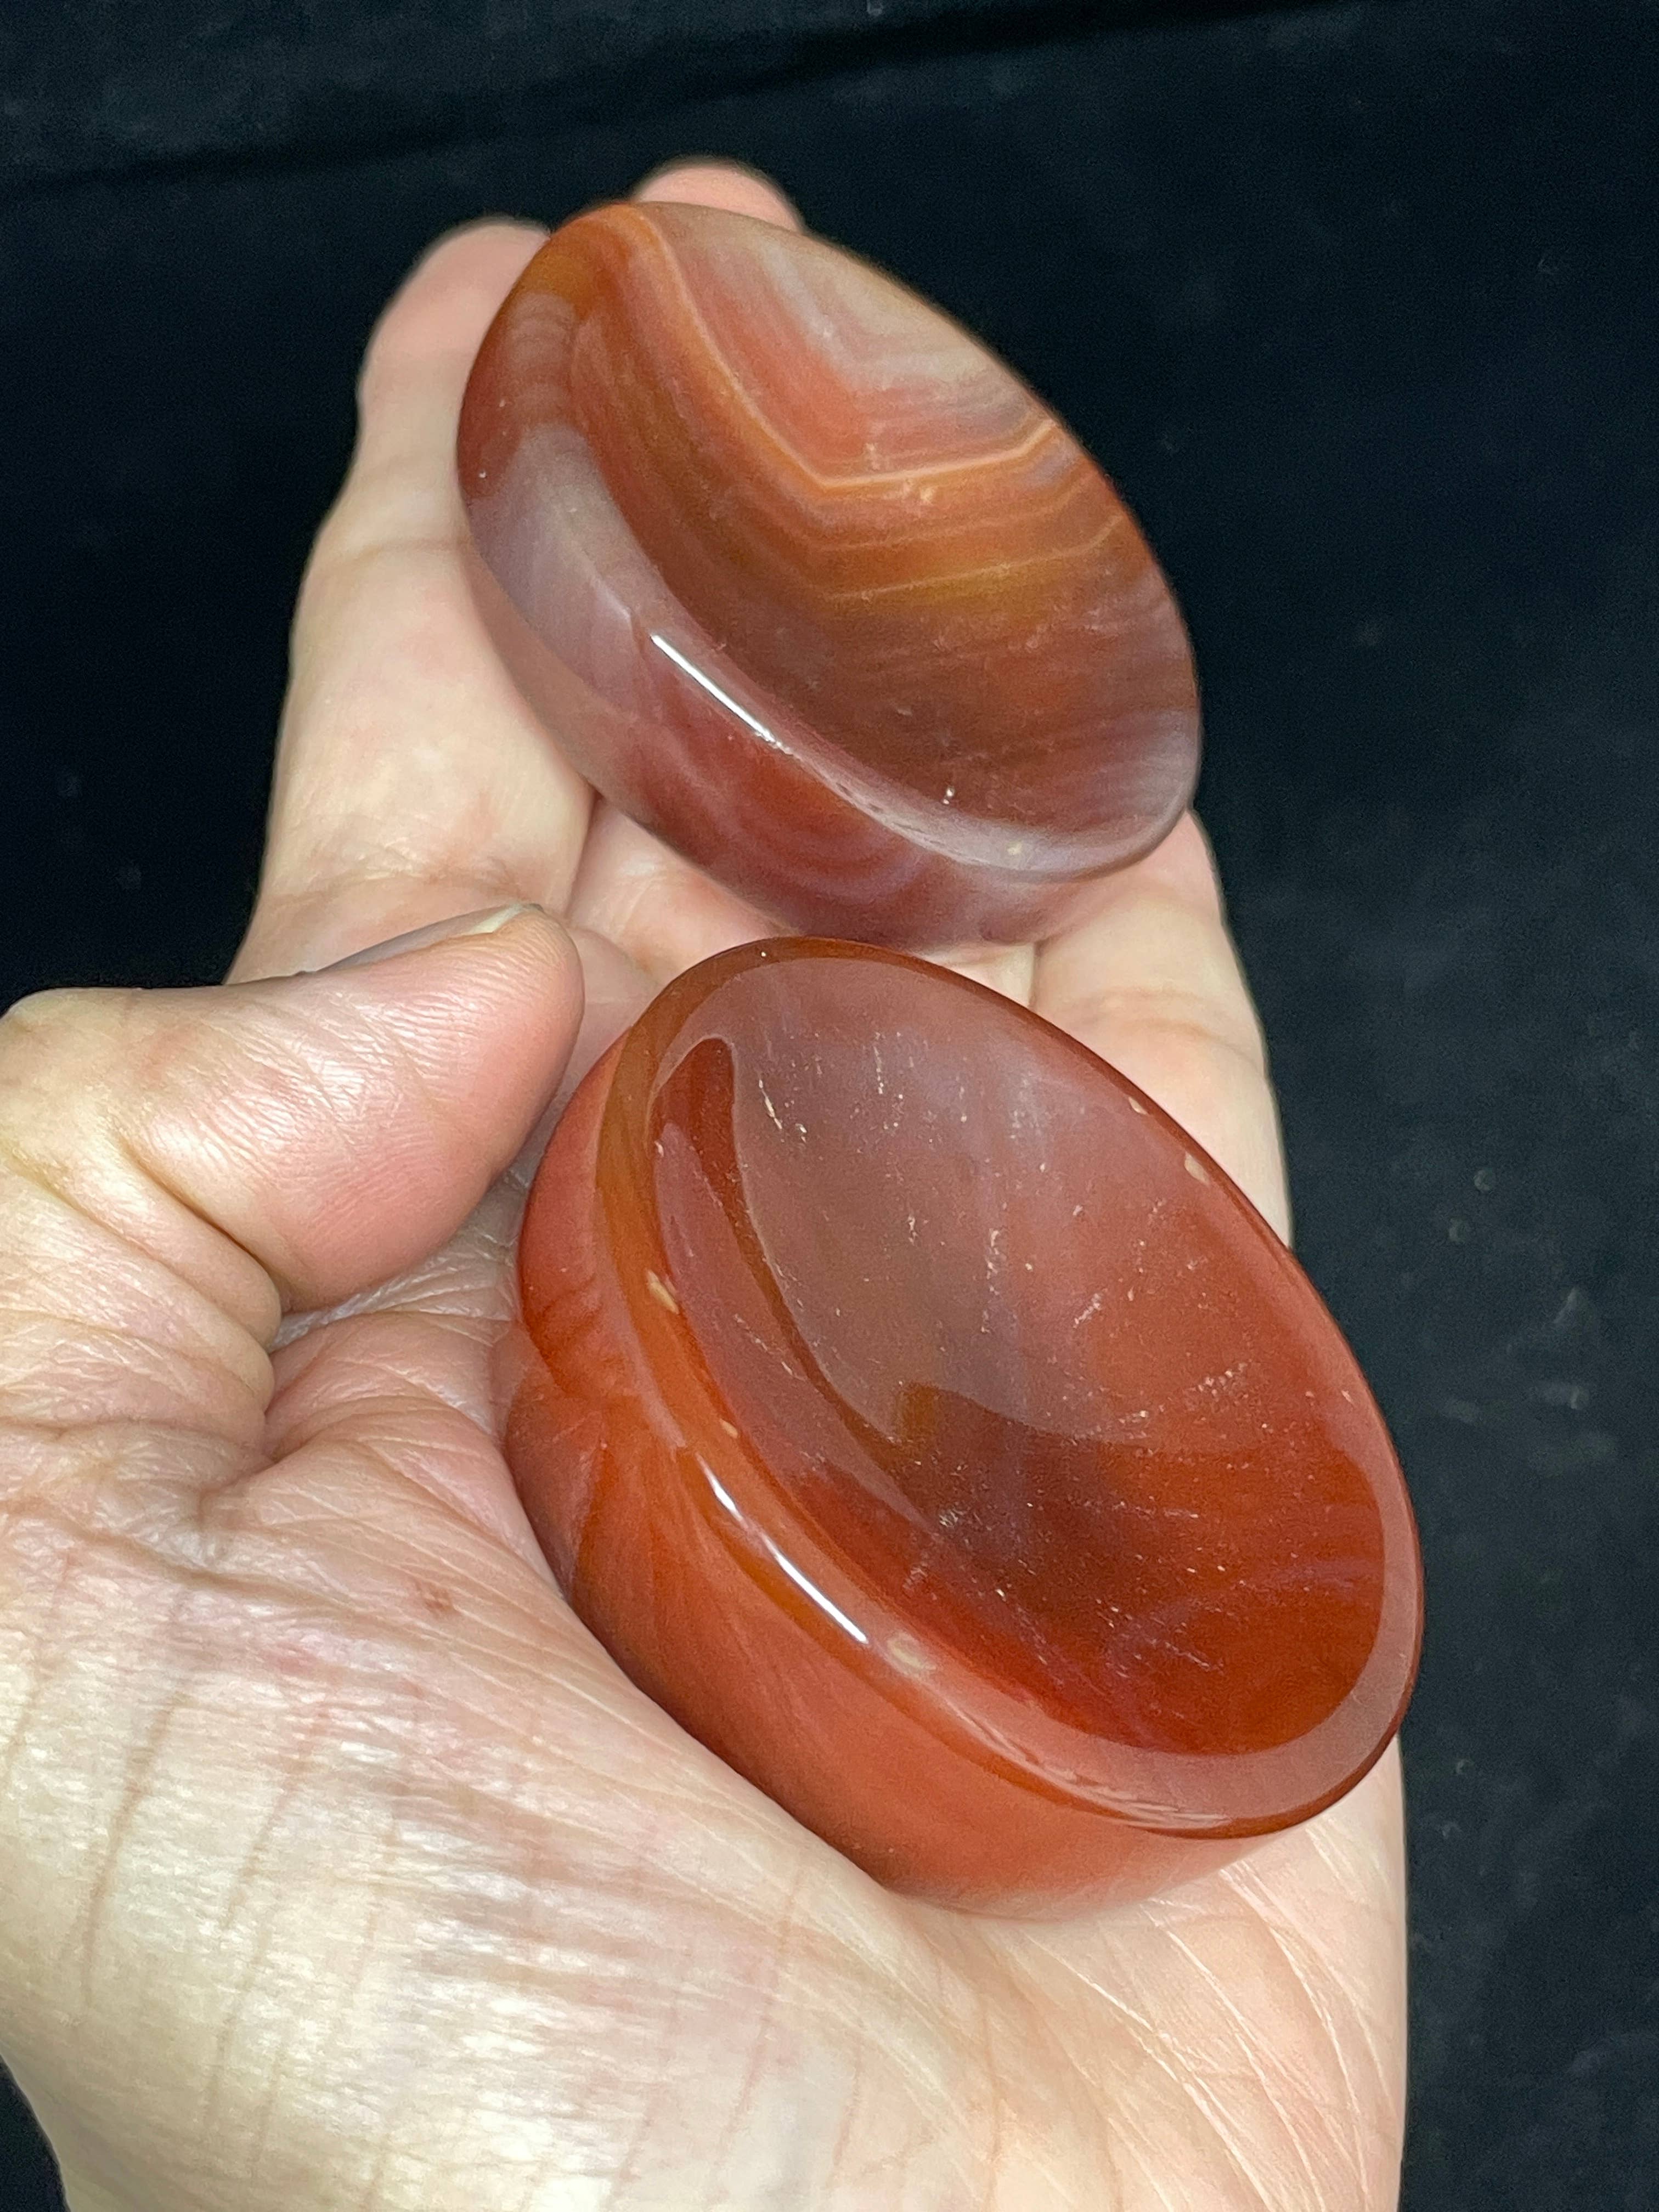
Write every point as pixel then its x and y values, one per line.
pixel 1358 302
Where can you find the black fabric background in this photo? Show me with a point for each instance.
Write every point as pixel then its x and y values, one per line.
pixel 1357 302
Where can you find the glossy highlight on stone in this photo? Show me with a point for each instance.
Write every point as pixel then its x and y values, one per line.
pixel 809 583
pixel 923 1421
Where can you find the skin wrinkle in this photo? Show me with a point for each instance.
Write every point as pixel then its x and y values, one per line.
pixel 353 1514
pixel 898 2043
pixel 640 899
pixel 392 1840
pixel 652 893
pixel 261 1326
pixel 1009 969
pixel 265 2118
pixel 111 1275
pixel 336 570
pixel 406 1430
pixel 94 1357
pixel 84 1503
pixel 358 862
pixel 624 1714
pixel 263 1514
pixel 1355 2147
pixel 250 1281
pixel 1153 2043
pixel 254 1967
pixel 1384 2077
pixel 986 2044
pixel 347 844
pixel 100 1478
pixel 906 2057
pixel 1145 2155
pixel 1272 2098
pixel 456 1120
pixel 759 2024
pixel 905 2161
pixel 1222 2136
pixel 1388 2078
pixel 81 1942
pixel 472 886
pixel 841 2148
pixel 38 1678
pixel 390 1668
pixel 523 1614
pixel 1035 2030
pixel 1187 2088
pixel 388 1347
pixel 625 2159
pixel 1109 1015
pixel 587 2086
pixel 903 2060
pixel 901 2175
pixel 454 1284
pixel 416 892
pixel 369 2196
pixel 111 1242
pixel 653 2069
pixel 262 1333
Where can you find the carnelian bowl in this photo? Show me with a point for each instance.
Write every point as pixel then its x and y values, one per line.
pixel 924 1421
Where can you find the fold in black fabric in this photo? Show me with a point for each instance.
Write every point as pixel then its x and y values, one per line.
pixel 1358 303
pixel 100 86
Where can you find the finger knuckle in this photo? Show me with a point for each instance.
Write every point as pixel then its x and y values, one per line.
pixel 48 1029
pixel 54 1053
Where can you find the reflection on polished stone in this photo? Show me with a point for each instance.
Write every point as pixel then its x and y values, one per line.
pixel 807 582
pixel 926 1425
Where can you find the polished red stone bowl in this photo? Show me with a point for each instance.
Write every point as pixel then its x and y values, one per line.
pixel 931 1428
pixel 803 578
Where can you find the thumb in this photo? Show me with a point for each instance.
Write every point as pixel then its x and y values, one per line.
pixel 271 1145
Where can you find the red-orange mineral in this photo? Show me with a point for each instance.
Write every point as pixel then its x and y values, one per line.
pixel 930 1427
pixel 807 582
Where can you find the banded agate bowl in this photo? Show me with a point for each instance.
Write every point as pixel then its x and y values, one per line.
pixel 807 582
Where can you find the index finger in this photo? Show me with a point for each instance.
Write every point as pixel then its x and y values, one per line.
pixel 412 782
pixel 1148 978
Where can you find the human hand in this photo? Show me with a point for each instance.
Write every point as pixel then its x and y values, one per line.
pixel 339 1866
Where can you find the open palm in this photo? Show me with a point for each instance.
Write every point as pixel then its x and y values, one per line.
pixel 340 1867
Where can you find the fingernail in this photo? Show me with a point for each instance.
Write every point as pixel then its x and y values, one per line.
pixel 717 181
pixel 485 924
pixel 460 230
